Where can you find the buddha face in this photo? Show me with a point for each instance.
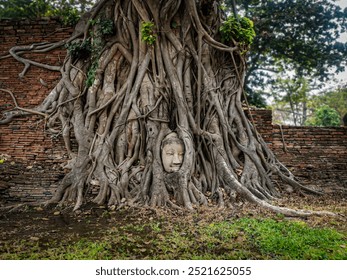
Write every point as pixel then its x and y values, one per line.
pixel 172 153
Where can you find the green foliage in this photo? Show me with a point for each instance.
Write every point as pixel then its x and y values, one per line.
pixel 82 249
pixel 291 96
pixel 106 27
pixel 257 98
pixel 223 7
pixel 78 49
pixel 3 158
pixel 147 33
pixel 68 10
pixel 92 46
pixel 325 116
pixel 240 29
pixel 295 102
pixel 23 8
pixel 336 99
pixel 103 26
pixel 70 16
pixel 91 73
pixel 301 35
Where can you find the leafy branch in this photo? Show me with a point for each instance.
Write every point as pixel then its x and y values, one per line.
pixel 240 29
pixel 147 33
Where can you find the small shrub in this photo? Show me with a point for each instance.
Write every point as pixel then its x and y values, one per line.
pixel 325 116
pixel 147 33
pixel 241 29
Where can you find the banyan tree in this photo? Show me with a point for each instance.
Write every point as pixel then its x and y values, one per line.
pixel 151 95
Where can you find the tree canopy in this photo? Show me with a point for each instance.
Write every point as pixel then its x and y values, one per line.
pixel 291 96
pixel 297 101
pixel 293 35
pixel 336 99
pixel 325 116
pixel 68 10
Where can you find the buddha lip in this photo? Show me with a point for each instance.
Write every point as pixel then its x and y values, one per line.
pixel 176 168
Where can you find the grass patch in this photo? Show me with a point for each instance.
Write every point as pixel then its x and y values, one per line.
pixel 294 240
pixel 161 238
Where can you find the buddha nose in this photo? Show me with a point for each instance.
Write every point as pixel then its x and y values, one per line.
pixel 176 159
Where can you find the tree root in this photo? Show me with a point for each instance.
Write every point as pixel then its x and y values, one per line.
pixel 116 103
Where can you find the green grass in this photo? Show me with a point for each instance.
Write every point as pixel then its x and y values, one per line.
pixel 244 238
pixel 294 240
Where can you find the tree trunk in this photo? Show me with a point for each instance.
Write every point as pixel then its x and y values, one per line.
pixel 147 82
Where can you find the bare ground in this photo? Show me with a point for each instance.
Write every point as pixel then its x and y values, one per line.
pixel 37 223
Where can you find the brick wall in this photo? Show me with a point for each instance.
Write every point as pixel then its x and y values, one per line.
pixel 32 171
pixel 316 155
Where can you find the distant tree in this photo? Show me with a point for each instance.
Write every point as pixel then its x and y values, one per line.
pixel 299 35
pixel 344 120
pixel 22 8
pixel 68 10
pixel 335 99
pixel 325 116
pixel 295 101
pixel 291 95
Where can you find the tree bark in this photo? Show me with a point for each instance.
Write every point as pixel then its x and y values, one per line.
pixel 119 100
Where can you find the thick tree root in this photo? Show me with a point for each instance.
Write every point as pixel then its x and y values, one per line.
pixel 161 69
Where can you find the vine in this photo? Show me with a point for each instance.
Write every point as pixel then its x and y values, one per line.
pixel 104 26
pixel 92 46
pixel 78 49
pixel 91 73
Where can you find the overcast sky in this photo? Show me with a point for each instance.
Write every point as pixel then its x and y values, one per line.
pixel 343 76
pixel 342 3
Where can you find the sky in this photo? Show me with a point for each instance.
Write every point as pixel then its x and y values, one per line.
pixel 343 76
pixel 342 3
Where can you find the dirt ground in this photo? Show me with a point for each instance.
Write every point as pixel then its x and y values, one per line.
pixel 33 223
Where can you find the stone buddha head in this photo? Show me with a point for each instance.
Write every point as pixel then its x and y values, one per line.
pixel 172 152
